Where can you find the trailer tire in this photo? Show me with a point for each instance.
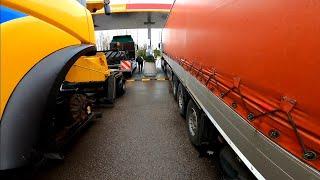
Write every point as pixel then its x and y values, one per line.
pixel 194 123
pixel 182 98
pixel 121 87
pixel 175 84
pixel 233 168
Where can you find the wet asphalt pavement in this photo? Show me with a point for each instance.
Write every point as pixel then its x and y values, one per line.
pixel 141 137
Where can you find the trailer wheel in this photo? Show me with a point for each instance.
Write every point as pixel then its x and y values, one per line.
pixel 121 87
pixel 182 98
pixel 232 166
pixel 175 84
pixel 194 124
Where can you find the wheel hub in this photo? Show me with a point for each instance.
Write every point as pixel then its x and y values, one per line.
pixel 193 122
pixel 79 108
pixel 180 100
pixel 123 86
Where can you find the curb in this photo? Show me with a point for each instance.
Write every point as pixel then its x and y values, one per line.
pixel 147 79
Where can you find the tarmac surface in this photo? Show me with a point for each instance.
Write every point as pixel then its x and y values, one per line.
pixel 141 137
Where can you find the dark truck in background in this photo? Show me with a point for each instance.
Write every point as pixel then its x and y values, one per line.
pixel 124 43
pixel 123 54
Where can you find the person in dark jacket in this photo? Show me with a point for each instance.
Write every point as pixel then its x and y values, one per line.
pixel 139 60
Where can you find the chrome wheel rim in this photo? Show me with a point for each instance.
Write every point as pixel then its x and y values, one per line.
pixel 123 86
pixel 193 122
pixel 180 100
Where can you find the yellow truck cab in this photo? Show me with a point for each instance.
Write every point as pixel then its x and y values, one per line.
pixel 49 64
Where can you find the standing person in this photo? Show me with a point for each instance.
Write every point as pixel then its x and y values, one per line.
pixel 139 59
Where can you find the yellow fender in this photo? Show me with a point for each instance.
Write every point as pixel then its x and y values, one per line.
pixel 28 104
pixel 40 41
pixel 89 69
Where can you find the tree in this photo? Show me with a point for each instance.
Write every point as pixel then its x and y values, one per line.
pixel 142 53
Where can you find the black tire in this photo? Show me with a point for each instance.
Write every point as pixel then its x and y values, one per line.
pixel 127 74
pixel 169 73
pixel 175 84
pixel 182 98
pixel 194 123
pixel 79 108
pixel 121 87
pixel 232 167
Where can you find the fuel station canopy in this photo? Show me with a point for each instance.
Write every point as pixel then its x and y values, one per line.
pixel 132 14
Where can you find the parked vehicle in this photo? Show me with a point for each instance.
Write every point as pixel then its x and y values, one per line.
pixel 48 87
pixel 245 76
pixel 119 60
pixel 125 48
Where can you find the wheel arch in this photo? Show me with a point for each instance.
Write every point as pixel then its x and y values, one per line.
pixel 27 105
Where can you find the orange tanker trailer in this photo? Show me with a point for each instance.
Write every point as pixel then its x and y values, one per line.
pixel 250 70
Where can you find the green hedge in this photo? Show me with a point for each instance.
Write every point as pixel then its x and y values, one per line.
pixel 143 53
pixel 150 59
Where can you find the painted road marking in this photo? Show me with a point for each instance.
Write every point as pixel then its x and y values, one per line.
pixel 162 79
pixel 147 79
pixel 144 79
